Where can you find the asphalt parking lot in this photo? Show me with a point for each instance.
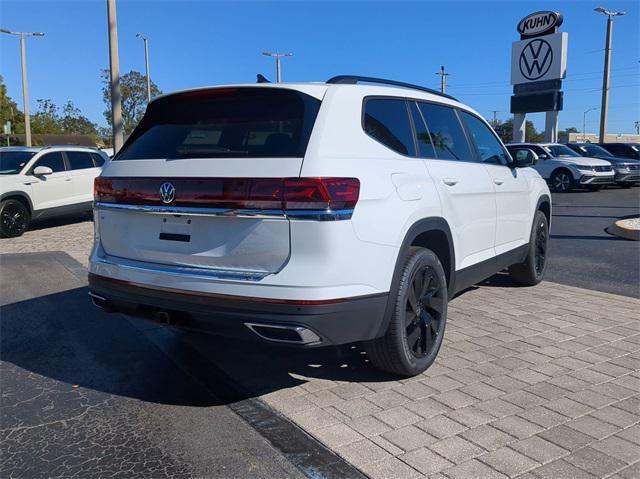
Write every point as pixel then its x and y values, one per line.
pixel 582 253
pixel 531 382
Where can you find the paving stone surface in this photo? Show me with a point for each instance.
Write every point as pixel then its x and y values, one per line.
pixel 530 382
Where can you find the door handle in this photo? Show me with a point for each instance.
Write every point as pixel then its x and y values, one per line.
pixel 450 181
pixel 498 181
pixel 67 179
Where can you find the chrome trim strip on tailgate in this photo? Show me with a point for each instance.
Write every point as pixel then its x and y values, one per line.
pixel 183 270
pixel 322 215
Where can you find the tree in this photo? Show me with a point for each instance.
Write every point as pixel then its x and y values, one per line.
pixel 133 86
pixel 9 110
pixel 505 130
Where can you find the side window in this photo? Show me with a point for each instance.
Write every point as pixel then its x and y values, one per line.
pixel 387 121
pixel 79 160
pixel 449 140
pixel 97 159
pixel 425 145
pixel 488 146
pixel 53 160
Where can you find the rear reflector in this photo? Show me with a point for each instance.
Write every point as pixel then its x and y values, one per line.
pixel 285 194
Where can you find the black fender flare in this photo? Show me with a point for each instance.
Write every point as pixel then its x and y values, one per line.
pixel 21 194
pixel 544 199
pixel 421 226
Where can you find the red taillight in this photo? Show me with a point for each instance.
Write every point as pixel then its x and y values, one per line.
pixel 320 193
pixel 288 194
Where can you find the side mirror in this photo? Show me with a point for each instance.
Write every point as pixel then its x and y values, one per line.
pixel 524 157
pixel 42 171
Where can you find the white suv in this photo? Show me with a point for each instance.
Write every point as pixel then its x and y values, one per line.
pixel 314 214
pixel 565 169
pixel 42 182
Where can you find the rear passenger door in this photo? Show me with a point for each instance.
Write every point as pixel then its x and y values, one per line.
pixel 54 190
pixel 464 185
pixel 82 171
pixel 511 186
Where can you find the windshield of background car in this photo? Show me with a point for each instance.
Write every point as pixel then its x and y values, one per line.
pixel 12 162
pixel 242 122
pixel 560 150
pixel 593 150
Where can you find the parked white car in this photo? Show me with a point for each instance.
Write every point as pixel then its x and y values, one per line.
pixel 314 214
pixel 42 182
pixel 564 169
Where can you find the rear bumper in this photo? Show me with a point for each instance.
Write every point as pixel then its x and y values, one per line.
pixel 336 321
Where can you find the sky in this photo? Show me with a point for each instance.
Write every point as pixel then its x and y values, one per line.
pixel 198 43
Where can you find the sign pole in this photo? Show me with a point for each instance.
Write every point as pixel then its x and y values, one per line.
pixel 551 127
pixel 519 123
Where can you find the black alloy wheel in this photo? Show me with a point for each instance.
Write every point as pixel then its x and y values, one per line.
pixel 14 219
pixel 423 312
pixel 541 241
pixel 531 271
pixel 418 315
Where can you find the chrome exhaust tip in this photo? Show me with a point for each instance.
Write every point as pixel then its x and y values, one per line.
pixel 284 333
pixel 98 301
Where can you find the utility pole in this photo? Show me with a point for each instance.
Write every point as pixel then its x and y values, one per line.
pixel 146 63
pixel 114 76
pixel 277 56
pixel 584 123
pixel 495 118
pixel 607 70
pixel 25 94
pixel 443 79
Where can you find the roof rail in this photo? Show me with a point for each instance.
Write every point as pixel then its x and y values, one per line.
pixel 355 79
pixel 68 145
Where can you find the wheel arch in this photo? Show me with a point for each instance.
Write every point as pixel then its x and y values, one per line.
pixel 544 205
pixel 18 196
pixel 562 168
pixel 432 233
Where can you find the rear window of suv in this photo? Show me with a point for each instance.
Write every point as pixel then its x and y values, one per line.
pixel 225 123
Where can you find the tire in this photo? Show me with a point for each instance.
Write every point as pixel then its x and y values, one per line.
pixel 625 185
pixel 531 271
pixel 562 181
pixel 416 328
pixel 14 219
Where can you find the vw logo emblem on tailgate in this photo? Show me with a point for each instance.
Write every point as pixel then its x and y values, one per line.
pixel 167 192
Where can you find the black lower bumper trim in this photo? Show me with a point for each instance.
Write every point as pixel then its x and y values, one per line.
pixel 341 321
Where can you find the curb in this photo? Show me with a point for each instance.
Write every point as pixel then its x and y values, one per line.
pixel 620 229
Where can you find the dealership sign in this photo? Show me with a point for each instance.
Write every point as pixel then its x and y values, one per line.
pixel 539 59
pixel 539 23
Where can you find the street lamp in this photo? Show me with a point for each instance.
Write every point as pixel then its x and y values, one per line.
pixel 117 127
pixel 25 95
pixel 277 56
pixel 146 63
pixel 584 123
pixel 607 69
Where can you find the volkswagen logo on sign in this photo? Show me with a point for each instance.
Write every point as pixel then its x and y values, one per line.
pixel 535 59
pixel 167 193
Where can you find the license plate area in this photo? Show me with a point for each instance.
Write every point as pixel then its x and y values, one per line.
pixel 175 228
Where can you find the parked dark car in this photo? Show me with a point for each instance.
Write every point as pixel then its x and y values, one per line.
pixel 627 170
pixel 624 150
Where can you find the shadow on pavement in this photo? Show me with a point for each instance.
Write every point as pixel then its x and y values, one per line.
pixel 63 337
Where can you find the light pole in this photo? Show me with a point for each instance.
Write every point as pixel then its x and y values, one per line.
pixel 25 94
pixel 607 69
pixel 146 63
pixel 114 78
pixel 277 56
pixel 584 123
